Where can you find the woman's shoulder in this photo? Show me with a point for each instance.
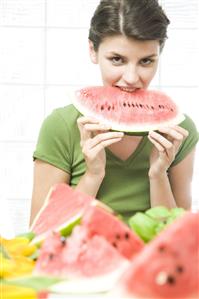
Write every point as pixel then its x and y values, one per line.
pixel 189 124
pixel 67 115
pixel 190 142
pixel 68 112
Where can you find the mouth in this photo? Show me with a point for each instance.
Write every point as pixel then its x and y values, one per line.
pixel 127 89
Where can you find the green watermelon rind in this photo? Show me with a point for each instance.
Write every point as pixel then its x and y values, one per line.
pixel 133 129
pixel 65 229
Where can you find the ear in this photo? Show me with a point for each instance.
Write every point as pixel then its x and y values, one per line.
pixel 92 52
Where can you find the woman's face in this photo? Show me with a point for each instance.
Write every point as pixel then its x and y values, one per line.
pixel 125 62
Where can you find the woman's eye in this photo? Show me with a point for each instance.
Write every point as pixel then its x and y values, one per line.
pixel 147 61
pixel 116 60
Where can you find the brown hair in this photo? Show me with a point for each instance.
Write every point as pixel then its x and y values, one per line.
pixel 139 19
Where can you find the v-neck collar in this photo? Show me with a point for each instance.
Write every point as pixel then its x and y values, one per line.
pixel 132 156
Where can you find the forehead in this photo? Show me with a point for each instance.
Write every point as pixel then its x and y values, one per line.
pixel 123 45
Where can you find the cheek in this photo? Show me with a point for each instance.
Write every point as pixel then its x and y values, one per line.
pixel 109 72
pixel 148 74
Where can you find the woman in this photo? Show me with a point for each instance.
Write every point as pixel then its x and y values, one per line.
pixel 129 173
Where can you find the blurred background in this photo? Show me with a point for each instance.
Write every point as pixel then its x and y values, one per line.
pixel 44 54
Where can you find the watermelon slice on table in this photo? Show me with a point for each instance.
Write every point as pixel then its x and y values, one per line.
pixel 168 267
pixel 138 112
pixel 98 221
pixel 62 209
pixel 79 256
pixel 100 236
pixel 99 248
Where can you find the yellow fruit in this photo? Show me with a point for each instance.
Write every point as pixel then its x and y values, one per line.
pixel 16 292
pixel 15 267
pixel 18 246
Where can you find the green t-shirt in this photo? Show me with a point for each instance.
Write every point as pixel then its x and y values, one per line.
pixel 125 187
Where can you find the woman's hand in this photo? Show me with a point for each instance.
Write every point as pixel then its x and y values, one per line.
pixel 166 145
pixel 94 138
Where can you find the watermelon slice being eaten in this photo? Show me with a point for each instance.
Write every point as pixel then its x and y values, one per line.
pixel 138 111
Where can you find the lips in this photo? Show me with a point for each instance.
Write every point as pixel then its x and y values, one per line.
pixel 127 89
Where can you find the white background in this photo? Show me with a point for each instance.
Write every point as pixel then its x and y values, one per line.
pixel 44 53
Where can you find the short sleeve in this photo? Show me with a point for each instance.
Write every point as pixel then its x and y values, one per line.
pixel 54 142
pixel 190 142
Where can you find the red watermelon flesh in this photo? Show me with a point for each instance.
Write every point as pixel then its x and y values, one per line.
pixel 117 233
pixel 168 267
pixel 138 111
pixel 63 206
pixel 78 256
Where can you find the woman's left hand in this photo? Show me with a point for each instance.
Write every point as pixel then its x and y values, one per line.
pixel 167 142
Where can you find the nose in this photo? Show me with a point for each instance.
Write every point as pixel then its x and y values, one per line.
pixel 130 74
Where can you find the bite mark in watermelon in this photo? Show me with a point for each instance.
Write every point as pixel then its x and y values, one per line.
pixel 168 267
pixel 138 111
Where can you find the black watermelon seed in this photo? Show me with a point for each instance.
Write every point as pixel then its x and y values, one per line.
pixel 102 107
pixel 124 104
pixel 126 236
pixel 179 269
pixel 171 279
pixel 51 256
pixel 117 236
pixel 114 244
pixel 161 248
pixel 63 240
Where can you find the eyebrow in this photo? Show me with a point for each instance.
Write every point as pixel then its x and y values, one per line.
pixel 147 56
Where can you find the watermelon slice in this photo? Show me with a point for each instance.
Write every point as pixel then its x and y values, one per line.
pixel 101 245
pixel 98 221
pixel 138 111
pixel 168 267
pixel 62 209
pixel 79 256
pixel 92 243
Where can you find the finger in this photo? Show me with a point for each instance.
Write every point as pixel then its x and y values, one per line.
pixel 159 147
pixel 103 144
pixel 85 119
pixel 100 138
pixel 81 122
pixel 182 131
pixel 96 127
pixel 174 130
pixel 171 133
pixel 161 140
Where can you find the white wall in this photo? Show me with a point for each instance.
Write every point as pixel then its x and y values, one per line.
pixel 43 53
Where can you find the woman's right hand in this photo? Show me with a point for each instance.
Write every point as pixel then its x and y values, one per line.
pixel 95 136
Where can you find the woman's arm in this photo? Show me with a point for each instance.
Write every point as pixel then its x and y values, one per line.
pixel 181 177
pixel 174 189
pixel 45 176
